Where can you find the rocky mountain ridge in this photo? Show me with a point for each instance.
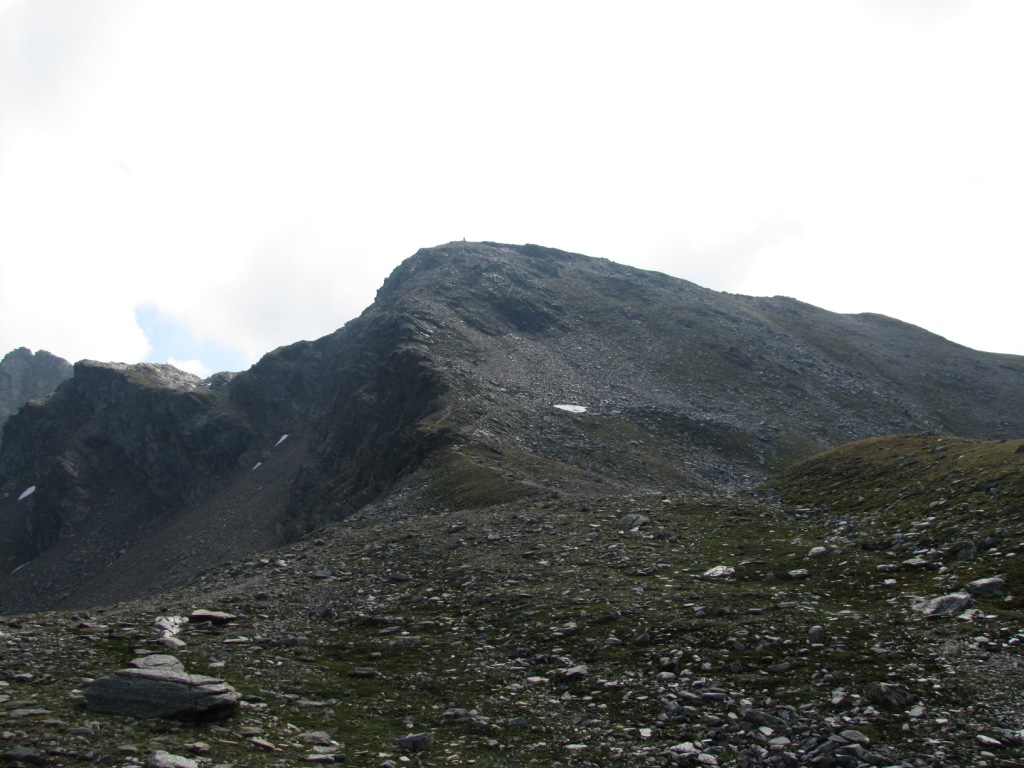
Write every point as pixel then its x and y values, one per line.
pixel 27 375
pixel 511 515
pixel 444 395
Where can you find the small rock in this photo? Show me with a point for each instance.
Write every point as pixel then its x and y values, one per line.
pixel 318 738
pixel 720 571
pixel 20 712
pixel 416 742
pixel 946 605
pixel 963 550
pixel 916 562
pixel 990 586
pixel 161 759
pixel 856 737
pixel 761 718
pixel 172 643
pixel 214 617
pixel 24 755
pixel 889 696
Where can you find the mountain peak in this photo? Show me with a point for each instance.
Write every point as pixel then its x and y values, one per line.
pixel 531 480
pixel 482 373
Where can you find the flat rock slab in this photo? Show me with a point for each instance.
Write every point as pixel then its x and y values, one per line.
pixel 24 756
pixel 719 571
pixel 990 586
pixel 164 692
pixel 214 617
pixel 946 605
pixel 157 661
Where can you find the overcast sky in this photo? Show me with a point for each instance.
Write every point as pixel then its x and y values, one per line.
pixel 200 182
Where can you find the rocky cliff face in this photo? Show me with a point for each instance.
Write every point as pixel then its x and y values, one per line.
pixel 482 373
pixel 26 376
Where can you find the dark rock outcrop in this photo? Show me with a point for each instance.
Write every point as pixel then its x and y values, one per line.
pixel 26 376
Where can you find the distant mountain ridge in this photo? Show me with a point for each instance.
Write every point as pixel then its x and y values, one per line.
pixel 442 395
pixel 25 376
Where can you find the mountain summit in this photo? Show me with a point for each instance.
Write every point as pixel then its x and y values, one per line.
pixel 482 373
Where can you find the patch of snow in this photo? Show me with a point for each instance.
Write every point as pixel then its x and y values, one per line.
pixel 571 408
pixel 281 439
pixel 27 492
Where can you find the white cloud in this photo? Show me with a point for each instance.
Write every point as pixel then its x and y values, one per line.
pixel 254 170
pixel 191 366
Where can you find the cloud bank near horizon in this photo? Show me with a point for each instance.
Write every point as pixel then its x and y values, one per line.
pixel 204 183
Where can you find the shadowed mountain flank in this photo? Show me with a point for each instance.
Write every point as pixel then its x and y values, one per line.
pixel 482 374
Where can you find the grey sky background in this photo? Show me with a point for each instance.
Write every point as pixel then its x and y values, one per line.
pixel 200 182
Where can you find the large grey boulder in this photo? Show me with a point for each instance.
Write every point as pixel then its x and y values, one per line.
pixel 990 586
pixel 162 691
pixel 946 605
